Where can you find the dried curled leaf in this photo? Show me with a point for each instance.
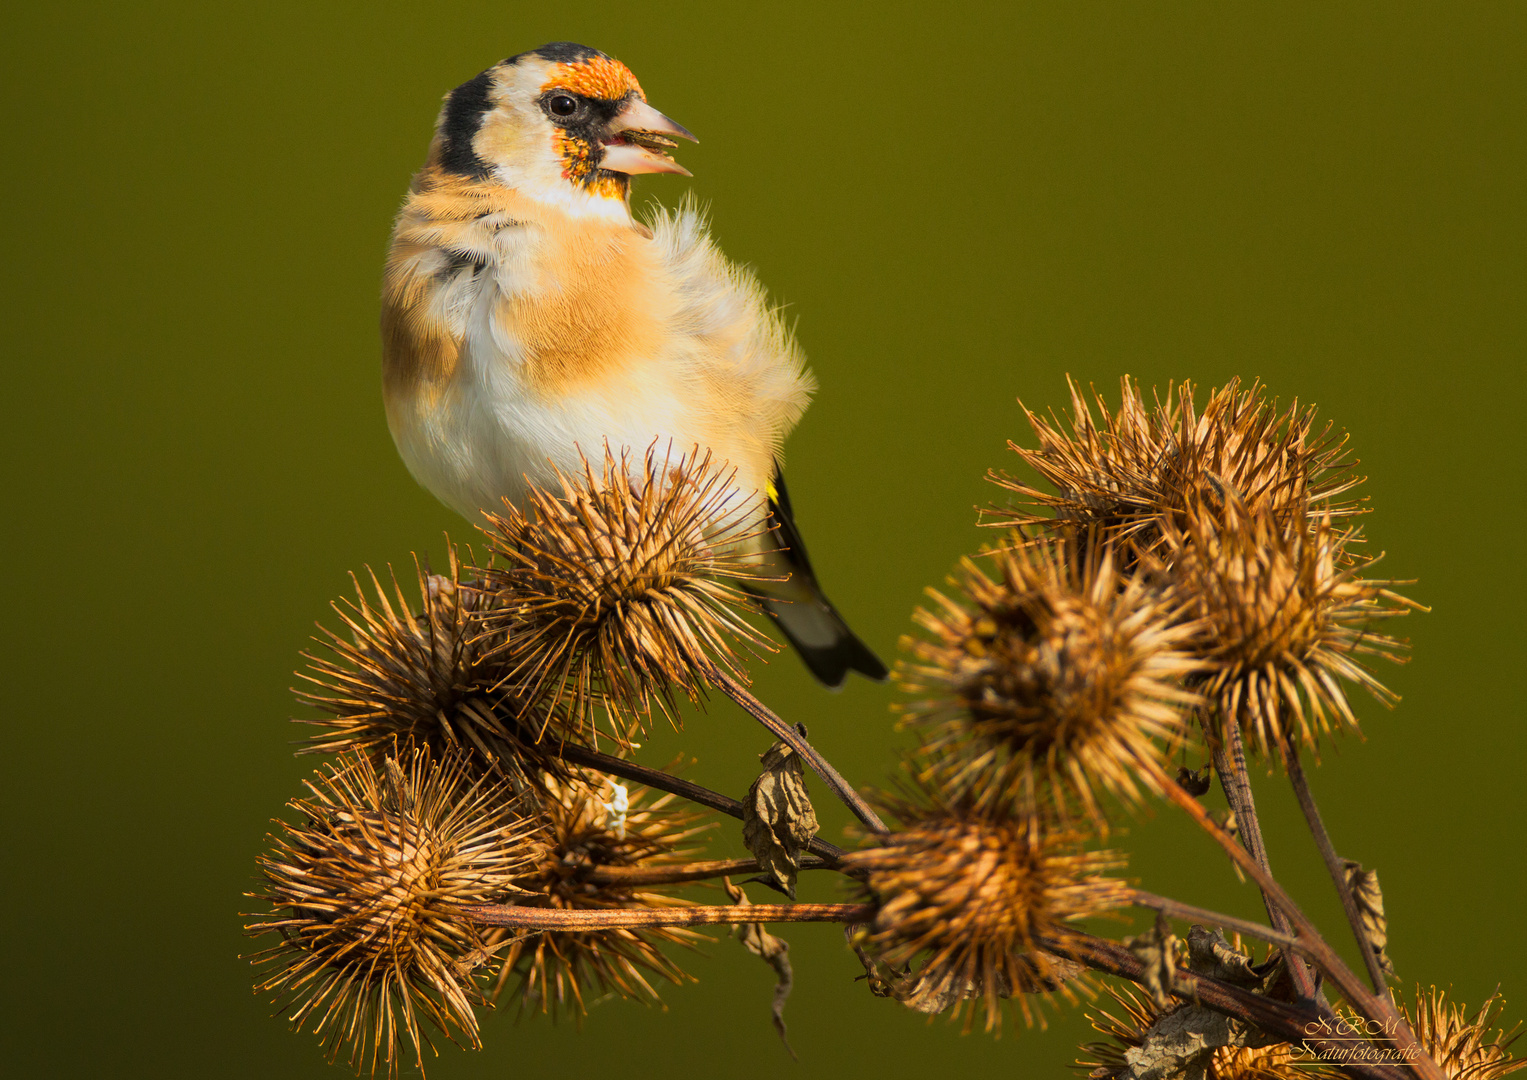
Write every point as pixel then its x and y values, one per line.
pixel 777 817
pixel 774 951
pixel 1181 1044
pixel 1210 954
pixel 1157 950
pixel 1370 906
pixel 1132 1021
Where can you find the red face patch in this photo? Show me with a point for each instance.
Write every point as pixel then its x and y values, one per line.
pixel 597 77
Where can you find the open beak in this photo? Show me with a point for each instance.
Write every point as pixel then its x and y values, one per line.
pixel 638 141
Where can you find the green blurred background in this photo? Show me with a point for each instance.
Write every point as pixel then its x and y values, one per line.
pixel 959 203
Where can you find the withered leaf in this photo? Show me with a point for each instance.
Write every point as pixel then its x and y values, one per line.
pixel 1044 972
pixel 1157 950
pixel 1180 1044
pixel 777 818
pixel 1210 954
pixel 1370 906
pixel 774 951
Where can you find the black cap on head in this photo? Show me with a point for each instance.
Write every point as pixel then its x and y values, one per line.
pixel 562 52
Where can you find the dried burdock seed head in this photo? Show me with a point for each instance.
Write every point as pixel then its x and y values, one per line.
pixel 1127 1020
pixel 1128 469
pixel 1463 1043
pixel 1047 681
pixel 981 902
pixel 594 828
pixel 622 587
pixel 365 893
pixel 429 677
pixel 1284 615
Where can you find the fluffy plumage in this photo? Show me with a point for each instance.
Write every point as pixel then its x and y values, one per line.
pixel 530 321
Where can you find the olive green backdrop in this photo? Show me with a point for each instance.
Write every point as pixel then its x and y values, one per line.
pixel 959 203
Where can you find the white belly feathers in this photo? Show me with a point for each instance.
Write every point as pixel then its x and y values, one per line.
pixel 725 376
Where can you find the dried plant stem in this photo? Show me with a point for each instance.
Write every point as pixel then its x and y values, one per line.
pixel 1234 778
pixel 792 738
pixel 1230 766
pixel 1288 1022
pixel 529 918
pixel 662 781
pixel 1334 866
pixel 1178 910
pixel 691 871
pixel 1375 1007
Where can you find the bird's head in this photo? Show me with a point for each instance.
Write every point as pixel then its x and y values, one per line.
pixel 563 124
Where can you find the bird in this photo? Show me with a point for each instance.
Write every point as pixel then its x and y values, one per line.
pixel 529 318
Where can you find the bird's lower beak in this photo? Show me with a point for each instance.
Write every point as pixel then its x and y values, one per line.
pixel 637 141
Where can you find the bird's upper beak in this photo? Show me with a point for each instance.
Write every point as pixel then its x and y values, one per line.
pixel 637 141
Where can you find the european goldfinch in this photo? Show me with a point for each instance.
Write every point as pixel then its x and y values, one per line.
pixel 529 320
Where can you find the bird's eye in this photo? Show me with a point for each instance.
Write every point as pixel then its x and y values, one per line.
pixel 562 105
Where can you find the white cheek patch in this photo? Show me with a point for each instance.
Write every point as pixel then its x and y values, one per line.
pixel 556 190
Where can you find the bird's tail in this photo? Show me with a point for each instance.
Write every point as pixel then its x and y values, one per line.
pixel 809 621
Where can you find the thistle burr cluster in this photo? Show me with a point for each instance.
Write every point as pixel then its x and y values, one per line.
pixel 1053 676
pixel 1466 1045
pixel 429 677
pixel 621 590
pixel 1185 583
pixel 1194 587
pixel 985 902
pixel 593 829
pixel 1287 619
pixel 1132 469
pixel 453 717
pixel 1129 1016
pixel 1240 515
pixel 364 893
pixel 597 602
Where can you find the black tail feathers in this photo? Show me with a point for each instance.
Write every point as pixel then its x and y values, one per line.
pixel 830 649
pixel 809 621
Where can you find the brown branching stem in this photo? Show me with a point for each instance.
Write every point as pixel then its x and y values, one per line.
pixel 685 789
pixel 679 873
pixel 1230 765
pixel 1284 1021
pixel 792 738
pixel 1334 866
pixel 1291 1023
pixel 1377 1008
pixel 564 919
pixel 1274 1017
pixel 1177 910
